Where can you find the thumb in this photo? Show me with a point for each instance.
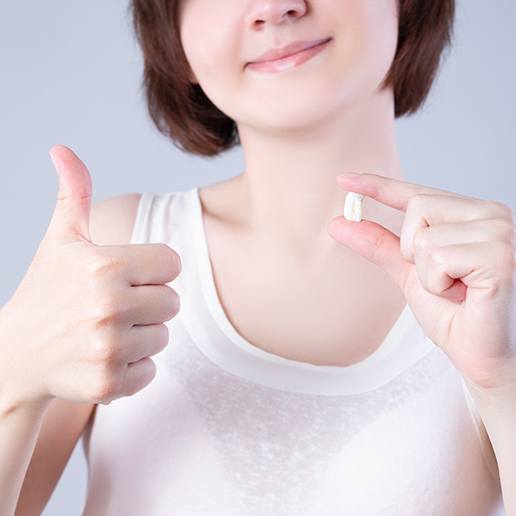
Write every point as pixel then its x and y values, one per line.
pixel 71 217
pixel 375 243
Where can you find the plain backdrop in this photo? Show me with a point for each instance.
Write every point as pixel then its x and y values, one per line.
pixel 70 73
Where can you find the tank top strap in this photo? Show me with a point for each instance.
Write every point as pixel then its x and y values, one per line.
pixel 157 217
pixel 142 221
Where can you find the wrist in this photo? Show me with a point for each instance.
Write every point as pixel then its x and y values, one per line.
pixel 12 398
pixel 12 405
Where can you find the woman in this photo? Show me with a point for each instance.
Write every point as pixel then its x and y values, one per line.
pixel 317 365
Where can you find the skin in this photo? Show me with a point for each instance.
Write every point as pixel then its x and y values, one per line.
pixel 455 258
pixel 322 118
pixel 316 114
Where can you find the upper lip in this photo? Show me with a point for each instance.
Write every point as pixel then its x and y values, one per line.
pixel 292 48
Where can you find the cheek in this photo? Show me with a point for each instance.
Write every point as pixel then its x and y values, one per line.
pixel 368 38
pixel 206 38
pixel 209 53
pixel 214 57
pixel 380 29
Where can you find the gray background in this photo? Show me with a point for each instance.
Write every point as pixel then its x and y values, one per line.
pixel 70 74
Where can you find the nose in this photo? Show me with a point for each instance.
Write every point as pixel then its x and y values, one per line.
pixel 276 11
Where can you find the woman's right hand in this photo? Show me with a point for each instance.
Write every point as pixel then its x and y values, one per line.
pixel 85 319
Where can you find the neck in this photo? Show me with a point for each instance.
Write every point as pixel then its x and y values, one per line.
pixel 288 190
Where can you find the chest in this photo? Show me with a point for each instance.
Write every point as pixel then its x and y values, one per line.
pixel 331 311
pixel 199 439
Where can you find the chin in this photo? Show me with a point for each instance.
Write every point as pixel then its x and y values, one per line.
pixel 293 117
pixel 290 111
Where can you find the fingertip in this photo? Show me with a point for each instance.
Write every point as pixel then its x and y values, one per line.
pixel 59 149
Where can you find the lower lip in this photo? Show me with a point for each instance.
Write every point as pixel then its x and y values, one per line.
pixel 279 65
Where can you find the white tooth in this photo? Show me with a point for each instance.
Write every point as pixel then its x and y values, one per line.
pixel 353 206
pixel 284 66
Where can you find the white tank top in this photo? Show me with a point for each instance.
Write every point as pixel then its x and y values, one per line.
pixel 226 428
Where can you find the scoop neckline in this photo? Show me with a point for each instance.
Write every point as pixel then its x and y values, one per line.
pixel 237 355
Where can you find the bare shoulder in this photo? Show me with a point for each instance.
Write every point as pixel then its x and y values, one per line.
pixel 112 219
pixel 111 223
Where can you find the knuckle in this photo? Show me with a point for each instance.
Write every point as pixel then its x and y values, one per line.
pixel 104 351
pixel 164 334
pixel 178 265
pixel 506 210
pixel 507 229
pixel 152 368
pixel 109 308
pixel 415 203
pixel 104 388
pixel 103 265
pixel 379 239
pixel 507 254
pixel 501 209
pixel 174 302
pixel 172 257
pixel 492 292
pixel 421 239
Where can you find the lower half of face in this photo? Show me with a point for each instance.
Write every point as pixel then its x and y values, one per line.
pixel 305 88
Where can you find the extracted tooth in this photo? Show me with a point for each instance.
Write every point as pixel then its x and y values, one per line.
pixel 353 206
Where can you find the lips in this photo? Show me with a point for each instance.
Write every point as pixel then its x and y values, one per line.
pixel 288 50
pixel 291 61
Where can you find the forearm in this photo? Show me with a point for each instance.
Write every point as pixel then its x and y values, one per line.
pixel 20 424
pixel 19 430
pixel 498 412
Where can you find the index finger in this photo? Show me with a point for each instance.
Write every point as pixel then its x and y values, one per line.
pixel 152 264
pixel 389 191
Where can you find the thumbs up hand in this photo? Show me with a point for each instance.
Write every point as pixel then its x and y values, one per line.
pixel 85 319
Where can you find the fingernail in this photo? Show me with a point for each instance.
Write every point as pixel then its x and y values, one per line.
pixel 54 161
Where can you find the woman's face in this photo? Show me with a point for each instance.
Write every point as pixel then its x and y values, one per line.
pixel 221 36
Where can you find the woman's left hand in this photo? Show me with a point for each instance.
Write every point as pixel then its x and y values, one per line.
pixel 455 263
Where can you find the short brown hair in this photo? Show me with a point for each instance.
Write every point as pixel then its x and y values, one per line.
pixel 182 111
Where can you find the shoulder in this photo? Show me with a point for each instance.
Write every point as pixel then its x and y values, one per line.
pixel 112 219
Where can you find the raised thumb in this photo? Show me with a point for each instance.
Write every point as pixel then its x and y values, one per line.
pixel 71 217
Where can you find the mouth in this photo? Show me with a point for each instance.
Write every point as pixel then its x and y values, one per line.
pixel 291 60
